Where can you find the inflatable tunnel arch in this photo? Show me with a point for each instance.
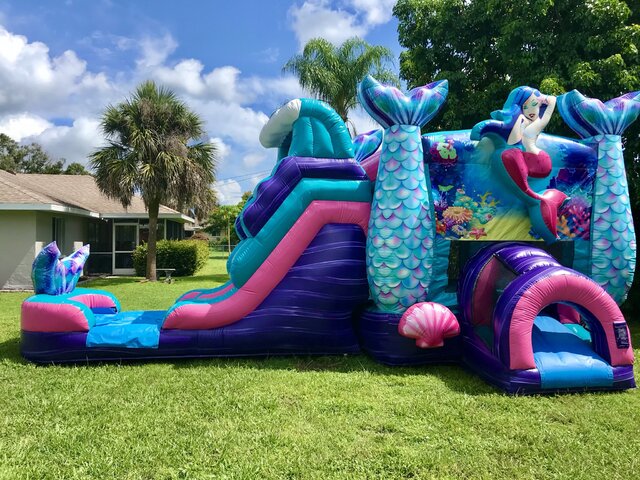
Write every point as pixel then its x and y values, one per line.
pixel 507 289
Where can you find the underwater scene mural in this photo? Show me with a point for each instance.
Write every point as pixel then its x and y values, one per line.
pixel 471 201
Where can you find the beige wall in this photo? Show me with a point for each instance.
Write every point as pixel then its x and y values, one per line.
pixel 19 232
pixel 17 249
pixel 75 230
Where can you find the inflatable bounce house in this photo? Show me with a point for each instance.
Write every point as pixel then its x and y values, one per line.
pixel 499 247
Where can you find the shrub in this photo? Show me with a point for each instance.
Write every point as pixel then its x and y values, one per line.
pixel 186 256
pixel 202 236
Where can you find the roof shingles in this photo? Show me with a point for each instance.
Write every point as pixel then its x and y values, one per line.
pixel 73 191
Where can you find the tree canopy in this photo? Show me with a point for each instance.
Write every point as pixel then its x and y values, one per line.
pixel 32 158
pixel 332 72
pixel 222 219
pixel 154 149
pixel 485 48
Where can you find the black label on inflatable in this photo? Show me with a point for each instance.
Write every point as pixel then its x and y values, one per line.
pixel 622 334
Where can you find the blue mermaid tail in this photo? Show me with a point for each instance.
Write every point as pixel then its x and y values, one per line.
pixel 613 241
pixel 401 225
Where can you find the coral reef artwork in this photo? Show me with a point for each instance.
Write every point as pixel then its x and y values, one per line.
pixel 471 204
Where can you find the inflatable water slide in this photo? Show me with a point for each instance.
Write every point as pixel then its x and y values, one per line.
pixel 498 247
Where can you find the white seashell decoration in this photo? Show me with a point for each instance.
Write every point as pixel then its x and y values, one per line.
pixel 429 323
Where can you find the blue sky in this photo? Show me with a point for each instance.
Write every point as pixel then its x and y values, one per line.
pixel 62 62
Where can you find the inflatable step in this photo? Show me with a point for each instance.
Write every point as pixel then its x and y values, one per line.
pixel 564 359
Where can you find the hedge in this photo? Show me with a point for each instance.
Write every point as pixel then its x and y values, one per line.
pixel 186 256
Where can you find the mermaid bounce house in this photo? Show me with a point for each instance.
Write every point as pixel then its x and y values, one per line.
pixel 499 247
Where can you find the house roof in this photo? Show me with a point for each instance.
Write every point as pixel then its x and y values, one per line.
pixel 75 194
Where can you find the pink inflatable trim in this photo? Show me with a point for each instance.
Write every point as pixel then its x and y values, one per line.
pixel 370 166
pixel 482 303
pixel 195 316
pixel 563 288
pixel 93 300
pixel 53 317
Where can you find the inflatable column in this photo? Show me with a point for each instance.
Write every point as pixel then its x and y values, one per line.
pixel 613 240
pixel 401 225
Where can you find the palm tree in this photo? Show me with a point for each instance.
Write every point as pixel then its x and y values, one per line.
pixel 154 150
pixel 332 73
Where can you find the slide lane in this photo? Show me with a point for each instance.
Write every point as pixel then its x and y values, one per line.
pixel 191 315
pixel 251 252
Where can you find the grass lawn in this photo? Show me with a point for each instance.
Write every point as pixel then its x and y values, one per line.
pixel 327 417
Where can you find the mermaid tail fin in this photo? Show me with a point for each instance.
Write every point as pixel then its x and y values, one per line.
pixel 366 144
pixel 589 117
pixel 389 106
pixel 544 217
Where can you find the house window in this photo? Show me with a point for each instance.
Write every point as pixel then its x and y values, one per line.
pixel 57 231
pixel 100 240
pixel 144 230
pixel 175 230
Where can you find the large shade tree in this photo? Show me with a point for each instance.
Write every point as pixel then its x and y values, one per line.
pixel 485 48
pixel 154 150
pixel 332 73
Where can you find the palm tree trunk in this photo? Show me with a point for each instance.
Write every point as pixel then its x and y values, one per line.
pixel 154 208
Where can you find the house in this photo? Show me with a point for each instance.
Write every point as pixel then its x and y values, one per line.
pixel 36 209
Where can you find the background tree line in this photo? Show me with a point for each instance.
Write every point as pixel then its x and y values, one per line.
pixel 17 158
pixel 485 48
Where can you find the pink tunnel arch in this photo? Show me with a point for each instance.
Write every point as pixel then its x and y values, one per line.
pixel 513 320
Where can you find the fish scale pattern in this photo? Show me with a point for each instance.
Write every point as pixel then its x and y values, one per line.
pixel 401 226
pixel 613 249
pixel 401 229
pixel 613 239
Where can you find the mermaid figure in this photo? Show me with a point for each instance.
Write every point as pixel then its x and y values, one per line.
pixel 519 124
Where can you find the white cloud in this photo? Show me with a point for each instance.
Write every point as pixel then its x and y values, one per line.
pixel 31 80
pixel 375 12
pixel 156 50
pixel 316 18
pixel 73 143
pixel 223 150
pixel 36 88
pixel 362 121
pixel 232 122
pixel 276 91
pixel 187 77
pixel 338 22
pixel 229 192
pixel 252 160
pixel 23 125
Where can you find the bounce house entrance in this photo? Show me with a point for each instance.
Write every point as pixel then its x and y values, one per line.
pixel 522 310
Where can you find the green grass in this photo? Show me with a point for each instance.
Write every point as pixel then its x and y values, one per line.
pixel 327 417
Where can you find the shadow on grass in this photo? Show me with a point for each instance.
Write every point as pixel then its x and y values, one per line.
pixel 10 350
pixel 456 377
